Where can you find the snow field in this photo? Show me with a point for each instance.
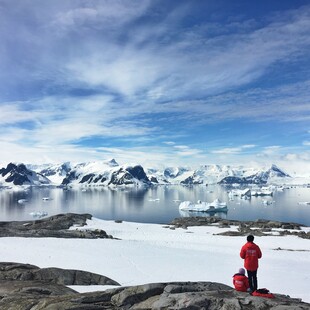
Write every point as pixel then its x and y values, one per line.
pixel 155 253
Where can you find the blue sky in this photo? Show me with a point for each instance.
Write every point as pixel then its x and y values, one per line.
pixel 155 82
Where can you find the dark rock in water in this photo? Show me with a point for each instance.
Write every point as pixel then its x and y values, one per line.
pixel 41 295
pixel 56 226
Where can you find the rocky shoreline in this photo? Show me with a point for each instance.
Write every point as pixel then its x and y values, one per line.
pixel 25 286
pixel 257 228
pixel 57 226
pixel 62 226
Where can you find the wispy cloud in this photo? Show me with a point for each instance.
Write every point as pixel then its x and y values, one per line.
pixel 208 65
pixel 128 73
pixel 234 150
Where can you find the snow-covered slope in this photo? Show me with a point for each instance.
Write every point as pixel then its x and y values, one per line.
pixel 55 173
pixel 212 174
pixel 273 174
pixel 106 173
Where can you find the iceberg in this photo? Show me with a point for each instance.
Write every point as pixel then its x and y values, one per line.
pixel 304 203
pixel 22 201
pixel 265 191
pixel 267 202
pixel 39 214
pixel 201 206
pixel 242 193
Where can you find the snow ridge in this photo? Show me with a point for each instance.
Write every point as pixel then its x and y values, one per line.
pixel 110 173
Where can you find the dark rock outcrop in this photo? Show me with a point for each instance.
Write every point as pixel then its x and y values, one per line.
pixel 261 177
pixel 20 175
pixel 27 272
pixel 71 176
pixel 56 226
pixel 41 295
pixel 191 181
pixel 258 227
pixel 25 286
pixel 93 178
pixel 129 176
pixel 234 180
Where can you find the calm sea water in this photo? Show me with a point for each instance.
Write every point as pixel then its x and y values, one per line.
pixel 153 205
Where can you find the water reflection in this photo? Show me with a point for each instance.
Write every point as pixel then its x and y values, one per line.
pixel 153 205
pixel 222 214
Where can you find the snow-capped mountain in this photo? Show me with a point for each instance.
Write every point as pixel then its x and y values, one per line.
pixel 107 173
pixel 55 173
pixel 260 177
pixel 110 173
pixel 206 174
pixel 19 174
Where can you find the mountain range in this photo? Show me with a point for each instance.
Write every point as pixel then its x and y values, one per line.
pixel 110 173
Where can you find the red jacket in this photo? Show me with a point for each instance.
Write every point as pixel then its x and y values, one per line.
pixel 250 252
pixel 240 282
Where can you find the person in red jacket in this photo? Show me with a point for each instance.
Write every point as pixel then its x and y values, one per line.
pixel 251 253
pixel 240 281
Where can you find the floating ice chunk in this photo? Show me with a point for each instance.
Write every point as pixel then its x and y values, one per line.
pixel 266 202
pixel 201 206
pixel 154 199
pixel 38 214
pixel 22 201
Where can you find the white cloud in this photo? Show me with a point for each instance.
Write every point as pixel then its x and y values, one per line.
pixel 153 156
pixel 233 150
pixel 174 69
pixel 181 147
pixel 248 146
pixel 100 14
pixel 227 150
pixel 12 113
pixel 154 73
pixel 271 149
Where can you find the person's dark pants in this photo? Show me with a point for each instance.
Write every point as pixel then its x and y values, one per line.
pixel 252 275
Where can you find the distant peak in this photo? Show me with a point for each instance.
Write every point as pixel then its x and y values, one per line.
pixel 112 162
pixel 276 169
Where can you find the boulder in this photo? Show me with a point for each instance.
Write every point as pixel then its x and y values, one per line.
pixel 56 226
pixel 176 295
pixel 27 272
